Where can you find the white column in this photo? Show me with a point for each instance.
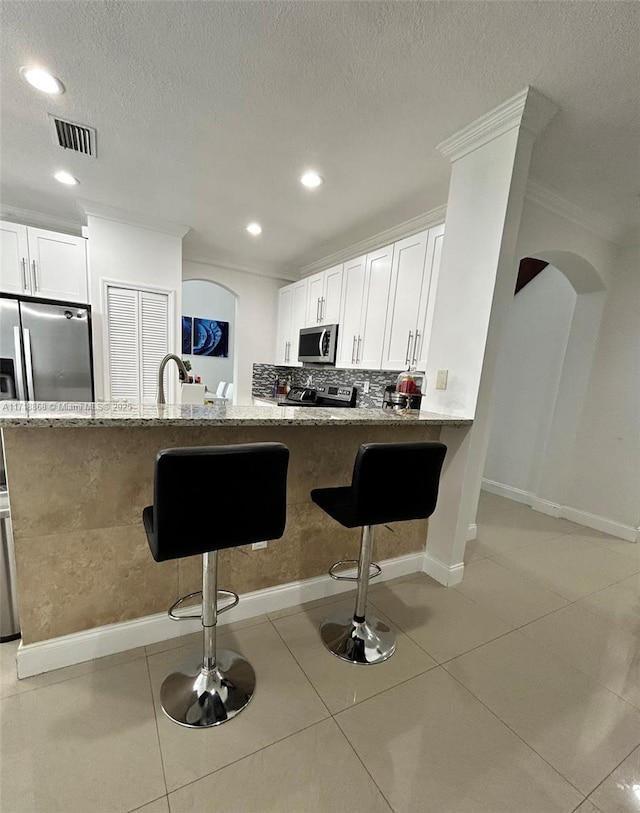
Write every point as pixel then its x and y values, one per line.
pixel 490 165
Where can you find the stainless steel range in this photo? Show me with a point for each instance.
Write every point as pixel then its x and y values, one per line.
pixel 328 395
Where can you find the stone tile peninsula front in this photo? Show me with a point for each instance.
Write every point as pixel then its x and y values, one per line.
pixel 78 482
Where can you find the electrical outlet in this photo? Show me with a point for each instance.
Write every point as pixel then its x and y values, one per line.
pixel 258 545
pixel 441 379
pixel 365 387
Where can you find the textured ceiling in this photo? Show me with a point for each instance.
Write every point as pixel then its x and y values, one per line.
pixel 207 112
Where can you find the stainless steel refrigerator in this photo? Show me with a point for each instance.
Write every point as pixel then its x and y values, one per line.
pixel 45 351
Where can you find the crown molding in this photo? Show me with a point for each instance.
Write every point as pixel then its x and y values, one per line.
pixel 28 217
pixel 405 229
pixel 528 108
pixel 133 218
pixel 598 224
pixel 256 271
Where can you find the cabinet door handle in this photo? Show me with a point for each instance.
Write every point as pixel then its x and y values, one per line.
pixel 318 310
pixel 408 358
pixel 35 275
pixel 353 351
pixel 415 348
pixel 25 280
pixel 358 350
pixel 322 308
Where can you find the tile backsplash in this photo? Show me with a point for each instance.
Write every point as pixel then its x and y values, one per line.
pixel 264 376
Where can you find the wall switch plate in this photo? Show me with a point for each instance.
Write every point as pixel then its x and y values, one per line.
pixel 441 379
pixel 258 545
pixel 365 387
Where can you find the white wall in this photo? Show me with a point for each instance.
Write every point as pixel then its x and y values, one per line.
pixel 604 477
pixel 256 317
pixel 132 254
pixel 529 367
pixel 211 301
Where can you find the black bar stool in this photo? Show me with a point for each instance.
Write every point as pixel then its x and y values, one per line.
pixel 238 496
pixel 391 482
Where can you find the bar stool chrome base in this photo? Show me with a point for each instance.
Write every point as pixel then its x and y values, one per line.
pixel 369 641
pixel 195 697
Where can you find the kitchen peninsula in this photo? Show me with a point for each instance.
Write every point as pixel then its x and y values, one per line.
pixel 79 476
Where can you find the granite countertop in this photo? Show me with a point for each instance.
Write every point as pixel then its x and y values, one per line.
pixel 51 414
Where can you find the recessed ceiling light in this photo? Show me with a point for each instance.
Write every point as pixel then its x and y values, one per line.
pixel 42 80
pixel 311 180
pixel 66 178
pixel 255 229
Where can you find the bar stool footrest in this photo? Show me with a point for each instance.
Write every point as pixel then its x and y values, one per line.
pixel 184 616
pixel 374 570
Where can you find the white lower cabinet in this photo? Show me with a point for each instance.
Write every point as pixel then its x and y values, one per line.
pixel 42 263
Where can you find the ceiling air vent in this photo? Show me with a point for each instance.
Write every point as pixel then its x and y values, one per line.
pixel 72 136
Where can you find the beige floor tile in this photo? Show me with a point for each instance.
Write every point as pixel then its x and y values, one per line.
pixel 580 728
pixel 568 565
pixel 342 684
pixel 605 651
pixel 159 806
pixel 619 603
pixel 629 549
pixel 89 743
pixel 9 683
pixel 620 792
pixel 471 552
pixel 284 702
pixel 430 745
pixel 195 638
pixel 587 807
pixel 439 619
pixel 314 771
pixel 507 535
pixel 506 594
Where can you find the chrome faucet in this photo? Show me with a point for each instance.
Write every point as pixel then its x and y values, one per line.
pixel 182 370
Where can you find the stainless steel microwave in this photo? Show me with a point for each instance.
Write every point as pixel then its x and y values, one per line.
pixel 317 345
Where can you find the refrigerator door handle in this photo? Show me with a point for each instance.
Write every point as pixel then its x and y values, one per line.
pixel 19 377
pixel 26 338
pixel 35 275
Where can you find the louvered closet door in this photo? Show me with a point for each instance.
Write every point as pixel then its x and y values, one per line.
pixel 123 333
pixel 154 344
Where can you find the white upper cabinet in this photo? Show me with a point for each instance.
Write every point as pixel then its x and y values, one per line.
pixel 416 263
pixel 351 312
pixel 374 310
pixel 323 297
pixel 58 265
pixel 292 306
pixel 364 308
pixel 428 297
pixel 38 262
pixel 404 302
pixel 14 259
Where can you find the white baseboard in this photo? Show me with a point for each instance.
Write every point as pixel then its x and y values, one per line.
pixel 55 653
pixel 511 493
pixel 553 509
pixel 598 523
pixel 448 575
pixel 472 532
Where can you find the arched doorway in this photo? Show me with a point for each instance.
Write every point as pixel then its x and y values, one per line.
pixel 541 378
pixel 209 319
